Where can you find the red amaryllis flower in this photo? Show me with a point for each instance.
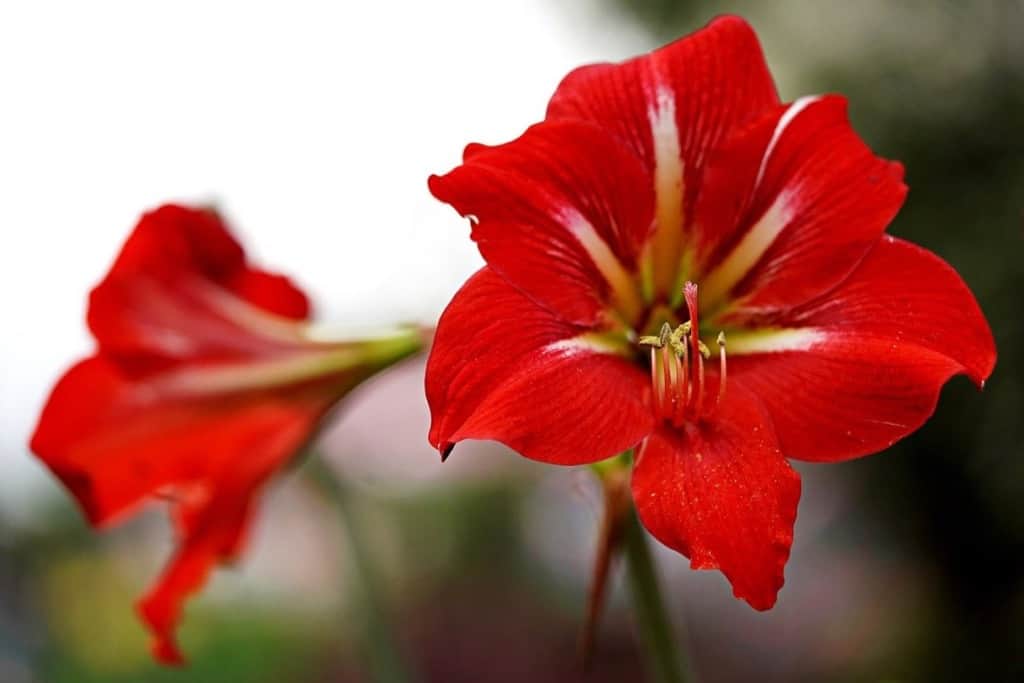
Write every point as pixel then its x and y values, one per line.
pixel 206 381
pixel 670 212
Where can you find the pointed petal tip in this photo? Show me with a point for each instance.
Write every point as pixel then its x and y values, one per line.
pixel 981 380
pixel 163 647
pixel 472 149
pixel 727 22
pixel 762 603
pixel 167 653
pixel 988 365
pixel 440 187
pixel 446 450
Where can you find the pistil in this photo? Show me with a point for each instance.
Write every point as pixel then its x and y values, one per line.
pixel 690 296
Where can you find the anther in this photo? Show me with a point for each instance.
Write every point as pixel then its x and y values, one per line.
pixel 666 334
pixel 657 341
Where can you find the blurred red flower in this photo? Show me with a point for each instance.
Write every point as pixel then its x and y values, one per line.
pixel 206 380
pixel 668 199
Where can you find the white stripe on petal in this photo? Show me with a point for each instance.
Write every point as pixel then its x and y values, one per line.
pixel 773 340
pixel 591 342
pixel 759 238
pixel 619 279
pixel 787 118
pixel 668 160
pixel 668 191
pixel 748 252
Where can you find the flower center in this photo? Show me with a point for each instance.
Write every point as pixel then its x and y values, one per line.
pixel 677 368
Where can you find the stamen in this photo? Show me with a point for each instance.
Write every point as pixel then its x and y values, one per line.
pixel 668 400
pixel 665 336
pixel 721 370
pixel 682 398
pixel 672 370
pixel 677 367
pixel 659 387
pixel 699 391
pixel 654 373
pixel 677 375
pixel 679 395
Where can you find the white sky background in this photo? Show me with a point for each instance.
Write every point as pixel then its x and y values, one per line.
pixel 312 125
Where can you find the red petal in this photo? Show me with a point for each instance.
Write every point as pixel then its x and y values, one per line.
pixel 561 213
pixel 888 339
pixel 115 439
pixel 506 369
pixel 271 292
pixel 795 202
pixel 181 287
pixel 673 107
pixel 716 77
pixel 216 539
pixel 722 494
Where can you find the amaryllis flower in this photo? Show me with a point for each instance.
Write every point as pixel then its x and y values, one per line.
pixel 206 381
pixel 681 264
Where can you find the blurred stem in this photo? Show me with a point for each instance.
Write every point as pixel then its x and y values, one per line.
pixel 665 654
pixel 618 505
pixel 384 659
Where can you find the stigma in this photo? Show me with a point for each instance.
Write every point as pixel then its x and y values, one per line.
pixel 677 368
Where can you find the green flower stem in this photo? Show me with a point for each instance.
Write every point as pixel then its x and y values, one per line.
pixel 663 650
pixel 384 658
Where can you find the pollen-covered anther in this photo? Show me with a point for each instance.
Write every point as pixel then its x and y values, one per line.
pixel 677 368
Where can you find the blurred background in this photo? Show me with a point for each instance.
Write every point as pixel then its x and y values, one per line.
pixel 313 128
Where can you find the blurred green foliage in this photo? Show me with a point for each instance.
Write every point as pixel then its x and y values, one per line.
pixel 75 622
pixel 462 593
